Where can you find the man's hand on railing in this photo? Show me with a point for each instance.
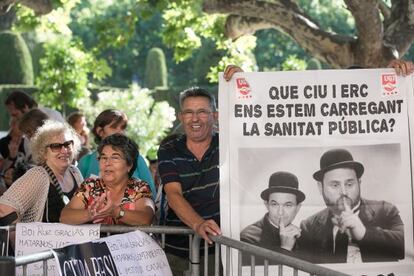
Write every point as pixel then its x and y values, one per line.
pixel 206 227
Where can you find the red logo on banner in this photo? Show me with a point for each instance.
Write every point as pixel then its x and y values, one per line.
pixel 243 88
pixel 389 84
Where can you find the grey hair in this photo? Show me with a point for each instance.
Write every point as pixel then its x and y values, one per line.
pixel 197 92
pixel 44 134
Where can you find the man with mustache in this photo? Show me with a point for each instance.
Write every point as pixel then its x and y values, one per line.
pixel 351 229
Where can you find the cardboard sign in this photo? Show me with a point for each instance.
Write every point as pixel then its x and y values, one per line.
pixel 37 237
pixel 136 253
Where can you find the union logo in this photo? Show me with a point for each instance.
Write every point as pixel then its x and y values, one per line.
pixel 389 84
pixel 243 88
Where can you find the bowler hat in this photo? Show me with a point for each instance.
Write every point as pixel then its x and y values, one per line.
pixel 283 182
pixel 337 158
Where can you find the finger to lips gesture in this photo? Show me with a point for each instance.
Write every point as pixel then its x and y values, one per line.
pixel 351 221
pixel 288 235
pixel 206 227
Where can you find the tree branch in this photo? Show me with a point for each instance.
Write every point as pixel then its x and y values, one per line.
pixel 370 31
pixel 286 15
pixel 40 7
pixel 385 10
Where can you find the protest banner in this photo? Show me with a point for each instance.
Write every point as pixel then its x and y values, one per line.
pixel 37 237
pixel 285 122
pixel 91 258
pixel 134 253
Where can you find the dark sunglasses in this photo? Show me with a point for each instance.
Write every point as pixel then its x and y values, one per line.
pixel 56 147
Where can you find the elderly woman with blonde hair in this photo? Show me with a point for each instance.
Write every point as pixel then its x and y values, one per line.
pixel 42 192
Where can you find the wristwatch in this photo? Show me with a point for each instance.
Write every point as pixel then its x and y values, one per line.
pixel 121 213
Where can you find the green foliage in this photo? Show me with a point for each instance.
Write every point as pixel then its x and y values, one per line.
pixel 148 121
pixel 63 80
pixel 48 25
pixel 314 64
pixel 273 47
pixel 185 25
pixel 126 60
pixel 331 15
pixel 37 53
pixel 207 57
pixel 15 60
pixel 293 63
pixel 155 69
pixel 239 52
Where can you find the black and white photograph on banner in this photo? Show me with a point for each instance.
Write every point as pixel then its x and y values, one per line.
pixel 323 177
pixel 304 200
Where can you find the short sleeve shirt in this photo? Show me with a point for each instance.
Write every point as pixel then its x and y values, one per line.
pixel 199 181
pixel 93 188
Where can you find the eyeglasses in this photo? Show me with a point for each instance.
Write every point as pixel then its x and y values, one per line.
pixel 57 147
pixel 201 113
pixel 112 159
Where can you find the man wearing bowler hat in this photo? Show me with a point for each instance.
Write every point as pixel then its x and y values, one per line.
pixel 351 229
pixel 275 230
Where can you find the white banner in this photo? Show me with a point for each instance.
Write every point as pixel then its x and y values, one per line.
pixel 285 122
pixel 36 237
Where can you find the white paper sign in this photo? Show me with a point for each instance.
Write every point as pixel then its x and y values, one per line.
pixel 136 253
pixel 37 237
pixel 285 121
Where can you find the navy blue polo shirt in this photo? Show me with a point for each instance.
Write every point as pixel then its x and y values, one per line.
pixel 199 183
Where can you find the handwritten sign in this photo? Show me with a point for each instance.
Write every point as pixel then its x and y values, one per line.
pixel 136 253
pixel 37 237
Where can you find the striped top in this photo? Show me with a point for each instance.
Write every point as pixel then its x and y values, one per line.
pixel 199 183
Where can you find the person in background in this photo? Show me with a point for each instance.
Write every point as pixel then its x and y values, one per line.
pixel 31 121
pixel 77 120
pixel 109 122
pixel 115 197
pixel 42 192
pixel 13 153
pixel 18 102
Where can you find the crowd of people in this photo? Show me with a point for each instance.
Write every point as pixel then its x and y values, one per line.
pixel 50 173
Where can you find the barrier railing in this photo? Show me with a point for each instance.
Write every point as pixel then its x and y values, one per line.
pixel 194 262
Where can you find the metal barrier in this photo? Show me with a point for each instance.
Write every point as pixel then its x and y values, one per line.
pixel 269 255
pixel 194 262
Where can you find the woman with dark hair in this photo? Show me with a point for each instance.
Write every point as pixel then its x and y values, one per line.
pixel 108 122
pixel 115 197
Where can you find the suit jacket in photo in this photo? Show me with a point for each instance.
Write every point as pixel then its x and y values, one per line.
pixel 263 234
pixel 383 240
